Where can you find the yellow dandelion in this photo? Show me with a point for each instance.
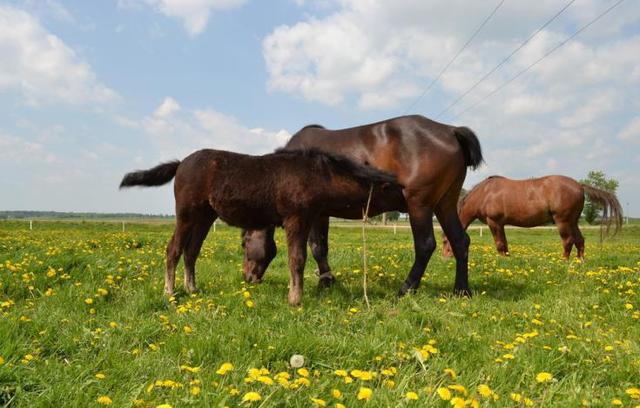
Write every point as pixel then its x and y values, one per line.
pixel 634 393
pixel 457 402
pixel 104 400
pixel 249 303
pixel 195 391
pixel 451 373
pixel 303 372
pixel 164 406
pixel 444 393
pixel 251 396
pixel 88 301
pixel 318 402
pixel 364 393
pixel 411 396
pixel 337 394
pixel 224 368
pixel 341 373
pixel 339 405
pixel 616 402
pixel 544 377
pixel 484 390
pixel 100 376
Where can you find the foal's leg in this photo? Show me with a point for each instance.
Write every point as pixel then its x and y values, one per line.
pixel 459 240
pixel 192 248
pixel 424 243
pixel 174 251
pixel 319 244
pixel 297 230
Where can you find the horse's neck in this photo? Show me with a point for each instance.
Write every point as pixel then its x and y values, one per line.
pixel 468 212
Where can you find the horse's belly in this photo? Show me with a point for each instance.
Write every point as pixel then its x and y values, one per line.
pixel 244 216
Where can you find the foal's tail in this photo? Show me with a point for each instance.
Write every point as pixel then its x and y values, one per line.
pixel 157 176
pixel 470 146
pixel 611 209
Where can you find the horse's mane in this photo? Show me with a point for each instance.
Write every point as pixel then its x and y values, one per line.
pixel 343 165
pixel 463 199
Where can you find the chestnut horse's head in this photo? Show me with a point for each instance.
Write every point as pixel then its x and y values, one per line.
pixel 259 251
pixel 447 251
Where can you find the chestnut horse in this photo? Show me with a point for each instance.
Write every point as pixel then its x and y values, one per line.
pixel 498 201
pixel 288 188
pixel 430 160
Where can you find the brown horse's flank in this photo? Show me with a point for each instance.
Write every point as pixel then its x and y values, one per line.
pixel 289 188
pixel 498 201
pixel 430 160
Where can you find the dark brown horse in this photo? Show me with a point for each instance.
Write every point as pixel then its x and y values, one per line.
pixel 288 188
pixel 430 160
pixel 498 201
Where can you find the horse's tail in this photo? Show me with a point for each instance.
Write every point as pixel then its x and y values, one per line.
pixel 157 176
pixel 611 208
pixel 470 146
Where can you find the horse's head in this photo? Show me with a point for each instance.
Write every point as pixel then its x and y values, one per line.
pixel 447 251
pixel 259 251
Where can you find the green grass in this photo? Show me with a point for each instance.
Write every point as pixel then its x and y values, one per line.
pixel 531 313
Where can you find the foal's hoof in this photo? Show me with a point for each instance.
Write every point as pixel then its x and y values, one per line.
pixel 466 292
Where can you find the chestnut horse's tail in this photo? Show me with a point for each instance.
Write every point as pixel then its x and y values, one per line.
pixel 157 176
pixel 611 208
pixel 470 146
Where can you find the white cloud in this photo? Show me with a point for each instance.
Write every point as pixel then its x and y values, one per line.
pixel 194 14
pixel 40 67
pixel 383 54
pixel 631 131
pixel 176 132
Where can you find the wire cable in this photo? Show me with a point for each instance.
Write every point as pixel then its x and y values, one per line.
pixel 507 58
pixel 516 76
pixel 432 83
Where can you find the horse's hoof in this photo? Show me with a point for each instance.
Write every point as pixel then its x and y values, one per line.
pixel 466 292
pixel 406 288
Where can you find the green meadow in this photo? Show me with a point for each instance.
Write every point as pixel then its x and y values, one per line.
pixel 83 322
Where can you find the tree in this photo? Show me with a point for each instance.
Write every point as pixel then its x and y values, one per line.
pixel 599 180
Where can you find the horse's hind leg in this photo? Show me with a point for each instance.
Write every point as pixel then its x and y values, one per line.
pixel 319 244
pixel 567 234
pixel 579 241
pixel 448 216
pixel 424 242
pixel 174 251
pixel 199 232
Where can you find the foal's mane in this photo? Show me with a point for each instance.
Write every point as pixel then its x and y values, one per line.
pixel 343 165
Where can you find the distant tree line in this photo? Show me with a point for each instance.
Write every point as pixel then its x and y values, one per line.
pixel 9 215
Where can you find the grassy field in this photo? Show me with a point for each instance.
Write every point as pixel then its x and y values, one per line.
pixel 84 323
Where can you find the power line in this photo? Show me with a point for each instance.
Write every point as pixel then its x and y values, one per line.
pixel 428 88
pixel 507 58
pixel 513 78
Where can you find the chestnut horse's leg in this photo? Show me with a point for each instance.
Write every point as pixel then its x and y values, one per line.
pixel 193 245
pixel 499 236
pixel 424 242
pixel 579 240
pixel 297 230
pixel 566 233
pixel 319 244
pixel 459 240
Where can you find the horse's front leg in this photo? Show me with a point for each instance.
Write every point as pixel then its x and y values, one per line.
pixel 297 230
pixel 319 244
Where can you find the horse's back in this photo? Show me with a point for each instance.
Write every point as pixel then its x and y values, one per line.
pixel 418 150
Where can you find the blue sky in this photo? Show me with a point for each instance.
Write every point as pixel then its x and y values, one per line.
pixel 91 90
